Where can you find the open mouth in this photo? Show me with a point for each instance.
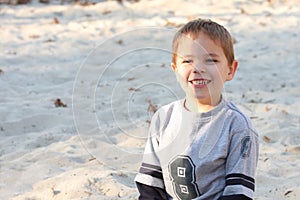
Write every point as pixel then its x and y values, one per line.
pixel 200 82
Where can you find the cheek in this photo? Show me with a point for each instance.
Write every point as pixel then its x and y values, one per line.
pixel 179 75
pixel 183 72
pixel 219 74
pixel 182 79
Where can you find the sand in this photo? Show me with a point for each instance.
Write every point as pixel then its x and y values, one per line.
pixel 79 85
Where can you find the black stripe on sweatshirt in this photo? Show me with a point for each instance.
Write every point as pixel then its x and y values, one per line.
pixel 154 171
pixel 235 197
pixel 240 179
pixel 158 168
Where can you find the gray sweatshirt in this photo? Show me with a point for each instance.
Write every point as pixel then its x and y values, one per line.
pixel 200 155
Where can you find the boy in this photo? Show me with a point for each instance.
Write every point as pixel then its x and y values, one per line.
pixel 201 147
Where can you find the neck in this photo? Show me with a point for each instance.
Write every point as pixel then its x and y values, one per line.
pixel 196 105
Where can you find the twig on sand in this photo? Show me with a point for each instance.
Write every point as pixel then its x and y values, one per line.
pixel 151 107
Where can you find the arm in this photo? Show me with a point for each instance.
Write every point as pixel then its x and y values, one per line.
pixel 151 193
pixel 241 166
pixel 235 197
pixel 149 180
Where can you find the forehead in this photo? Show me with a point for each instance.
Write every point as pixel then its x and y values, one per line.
pixel 201 43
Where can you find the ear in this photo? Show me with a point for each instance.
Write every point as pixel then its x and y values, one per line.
pixel 174 67
pixel 232 69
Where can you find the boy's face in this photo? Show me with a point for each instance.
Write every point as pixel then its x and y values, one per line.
pixel 202 69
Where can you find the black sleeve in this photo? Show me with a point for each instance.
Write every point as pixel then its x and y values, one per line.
pixel 235 197
pixel 151 193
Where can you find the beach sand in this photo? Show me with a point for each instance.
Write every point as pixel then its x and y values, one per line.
pixel 79 85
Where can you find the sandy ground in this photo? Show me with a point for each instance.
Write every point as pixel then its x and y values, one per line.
pixel 79 85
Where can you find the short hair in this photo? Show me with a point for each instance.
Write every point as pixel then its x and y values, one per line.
pixel 215 31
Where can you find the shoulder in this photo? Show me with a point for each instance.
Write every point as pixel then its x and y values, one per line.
pixel 238 120
pixel 164 114
pixel 168 109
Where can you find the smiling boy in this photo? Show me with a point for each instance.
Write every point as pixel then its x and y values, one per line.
pixel 200 147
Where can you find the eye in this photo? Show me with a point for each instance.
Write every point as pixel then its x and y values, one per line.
pixel 211 60
pixel 187 61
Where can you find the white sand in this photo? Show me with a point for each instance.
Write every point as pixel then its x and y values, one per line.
pixel 46 152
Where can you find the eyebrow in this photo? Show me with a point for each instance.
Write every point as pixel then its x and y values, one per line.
pixel 213 55
pixel 185 56
pixel 192 56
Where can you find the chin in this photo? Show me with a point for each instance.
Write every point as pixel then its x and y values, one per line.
pixel 202 98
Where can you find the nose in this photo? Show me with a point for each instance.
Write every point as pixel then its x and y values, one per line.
pixel 199 68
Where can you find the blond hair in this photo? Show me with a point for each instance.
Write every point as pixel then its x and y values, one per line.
pixel 215 31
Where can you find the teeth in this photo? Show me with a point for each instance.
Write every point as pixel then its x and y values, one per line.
pixel 200 82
